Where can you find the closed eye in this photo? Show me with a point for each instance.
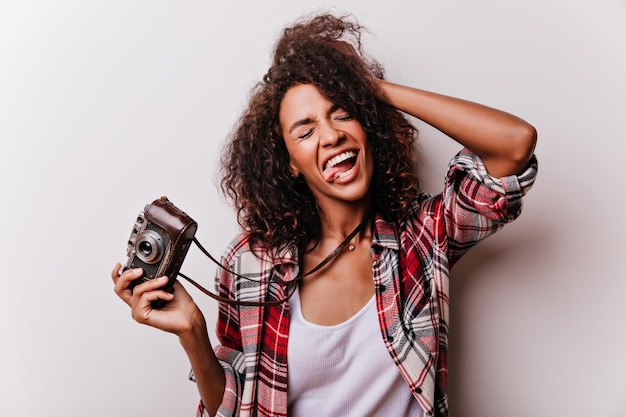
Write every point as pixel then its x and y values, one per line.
pixel 306 134
pixel 344 117
pixel 339 114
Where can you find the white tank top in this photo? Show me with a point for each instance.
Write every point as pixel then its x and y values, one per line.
pixel 344 370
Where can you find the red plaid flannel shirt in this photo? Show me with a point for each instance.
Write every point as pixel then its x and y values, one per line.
pixel 411 265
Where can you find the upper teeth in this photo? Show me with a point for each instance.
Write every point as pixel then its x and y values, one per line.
pixel 339 159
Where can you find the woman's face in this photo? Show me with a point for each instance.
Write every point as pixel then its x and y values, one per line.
pixel 326 145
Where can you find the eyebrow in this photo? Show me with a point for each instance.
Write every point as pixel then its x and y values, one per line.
pixel 308 120
pixel 299 123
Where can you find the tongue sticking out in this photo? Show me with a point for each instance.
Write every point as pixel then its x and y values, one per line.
pixel 331 174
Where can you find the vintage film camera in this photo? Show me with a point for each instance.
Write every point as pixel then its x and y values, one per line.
pixel 159 242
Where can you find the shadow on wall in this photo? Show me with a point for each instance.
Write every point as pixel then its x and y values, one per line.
pixel 478 288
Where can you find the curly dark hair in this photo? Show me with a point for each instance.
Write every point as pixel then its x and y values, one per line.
pixel 276 209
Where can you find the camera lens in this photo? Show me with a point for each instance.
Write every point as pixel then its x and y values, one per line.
pixel 149 247
pixel 145 248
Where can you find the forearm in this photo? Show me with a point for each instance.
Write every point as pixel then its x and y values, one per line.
pixel 208 372
pixel 504 142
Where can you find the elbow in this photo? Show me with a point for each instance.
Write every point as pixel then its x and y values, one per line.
pixel 523 142
pixel 517 149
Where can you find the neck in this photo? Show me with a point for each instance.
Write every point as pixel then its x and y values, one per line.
pixel 341 220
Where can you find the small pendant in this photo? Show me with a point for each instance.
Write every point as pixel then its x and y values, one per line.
pixel 351 247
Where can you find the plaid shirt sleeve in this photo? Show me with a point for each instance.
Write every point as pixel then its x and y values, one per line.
pixel 476 205
pixel 412 279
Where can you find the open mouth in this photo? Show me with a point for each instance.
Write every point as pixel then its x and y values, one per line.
pixel 339 166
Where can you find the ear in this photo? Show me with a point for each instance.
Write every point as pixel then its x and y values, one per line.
pixel 294 171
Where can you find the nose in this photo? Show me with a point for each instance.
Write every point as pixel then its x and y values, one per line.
pixel 329 136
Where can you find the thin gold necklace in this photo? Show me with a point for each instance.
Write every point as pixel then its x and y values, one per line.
pixel 351 247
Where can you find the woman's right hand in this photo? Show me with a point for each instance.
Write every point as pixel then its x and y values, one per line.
pixel 177 316
pixel 180 316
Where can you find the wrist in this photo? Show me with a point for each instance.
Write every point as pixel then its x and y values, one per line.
pixel 195 332
pixel 381 87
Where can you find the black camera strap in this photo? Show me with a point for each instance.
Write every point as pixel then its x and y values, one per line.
pixel 297 279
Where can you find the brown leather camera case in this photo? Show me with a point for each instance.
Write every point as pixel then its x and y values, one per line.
pixel 181 230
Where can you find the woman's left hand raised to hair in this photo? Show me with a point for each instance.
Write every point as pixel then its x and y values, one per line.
pixel 504 142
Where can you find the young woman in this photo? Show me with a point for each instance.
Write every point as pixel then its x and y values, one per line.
pixel 343 263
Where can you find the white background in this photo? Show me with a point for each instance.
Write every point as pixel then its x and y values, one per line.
pixel 107 105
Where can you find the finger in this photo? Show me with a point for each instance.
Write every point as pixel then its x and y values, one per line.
pixel 150 296
pixel 146 287
pixel 127 277
pixel 151 285
pixel 122 283
pixel 143 310
pixel 115 273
